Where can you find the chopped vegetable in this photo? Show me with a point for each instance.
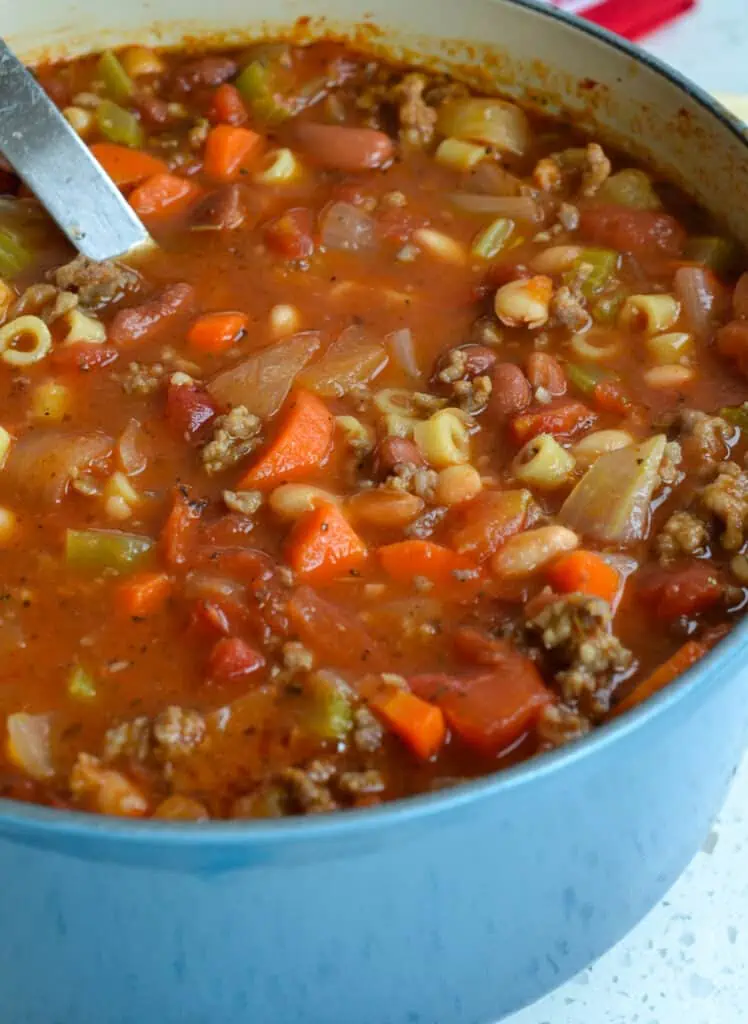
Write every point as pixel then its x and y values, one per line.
pixel 336 634
pixel 143 595
pixel 488 243
pixel 632 188
pixel 81 685
pixel 127 166
pixel 328 711
pixel 106 549
pixel 163 194
pixel 42 464
pixel 215 333
pixel 418 723
pixel 227 105
pixel 302 443
pixel 563 419
pixel 14 255
pixel 353 359
pixel 713 251
pixel 736 414
pixel 611 503
pixel 584 572
pixel 594 268
pixel 490 121
pixel 117 82
pixel 696 290
pixel 666 673
pixel 229 150
pixel 259 90
pixel 232 658
pixel 323 546
pixel 180 531
pixel 678 592
pixel 408 559
pixel 29 744
pixel 347 228
pixel 484 524
pixel 119 125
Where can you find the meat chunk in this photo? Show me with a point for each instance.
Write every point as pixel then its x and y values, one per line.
pixel 590 165
pixel 177 732
pixel 244 503
pixel 417 118
pixel 414 479
pixel 568 308
pixel 130 740
pixel 683 534
pixel 45 301
pixel 558 724
pixel 95 284
pixel 142 379
pixel 148 319
pixel 307 789
pixel 234 435
pixel 205 71
pixel 367 731
pixel 595 171
pixel 727 499
pixel 466 370
pixel 222 210
pixel 705 439
pixel 576 632
pixel 361 783
pixel 105 790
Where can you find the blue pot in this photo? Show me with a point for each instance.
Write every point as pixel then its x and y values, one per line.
pixel 453 908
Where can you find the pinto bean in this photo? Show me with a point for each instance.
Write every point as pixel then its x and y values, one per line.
pixel 511 390
pixel 394 451
pixel 543 371
pixel 340 148
pixel 205 71
pixel 140 322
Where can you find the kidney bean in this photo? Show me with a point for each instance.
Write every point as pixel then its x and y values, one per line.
pixel 511 392
pixel 479 360
pixel 393 451
pixel 205 71
pixel 222 210
pixel 145 320
pixel 340 148
pixel 543 371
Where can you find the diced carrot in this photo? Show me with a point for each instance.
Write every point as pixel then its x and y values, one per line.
pixel 562 419
pixel 232 658
pixel 303 442
pixel 143 595
pixel 409 558
pixel 584 572
pixel 164 194
pixel 227 106
pixel 179 535
pixel 127 166
pixel 668 671
pixel 417 722
pixel 227 150
pixel 323 546
pixel 489 709
pixel 215 333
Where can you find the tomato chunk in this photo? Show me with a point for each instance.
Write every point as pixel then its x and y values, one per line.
pixel 672 593
pixel 634 231
pixel 291 234
pixel 233 658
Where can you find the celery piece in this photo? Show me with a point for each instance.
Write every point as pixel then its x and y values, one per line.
pixel 80 684
pixel 327 708
pixel 605 310
pixel 489 242
pixel 737 415
pixel 257 87
pixel 119 125
pixel 106 549
pixel 117 82
pixel 717 253
pixel 586 378
pixel 14 256
pixel 593 268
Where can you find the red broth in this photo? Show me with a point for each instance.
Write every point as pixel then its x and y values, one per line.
pixel 414 450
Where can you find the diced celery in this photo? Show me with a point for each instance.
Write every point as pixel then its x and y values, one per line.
pixel 106 549
pixel 605 310
pixel 257 86
pixel 586 378
pixel 717 253
pixel 736 414
pixel 117 82
pixel 119 125
pixel 81 684
pixel 632 188
pixel 14 256
pixel 593 268
pixel 489 242
pixel 328 710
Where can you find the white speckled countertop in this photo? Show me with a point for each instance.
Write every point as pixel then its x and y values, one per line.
pixel 687 962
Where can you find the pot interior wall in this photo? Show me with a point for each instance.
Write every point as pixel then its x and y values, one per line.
pixel 550 62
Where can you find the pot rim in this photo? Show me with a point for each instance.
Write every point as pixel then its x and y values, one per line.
pixel 18 817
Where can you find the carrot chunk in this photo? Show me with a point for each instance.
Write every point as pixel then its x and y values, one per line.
pixel 143 595
pixel 668 672
pixel 324 546
pixel 215 333
pixel 409 558
pixel 163 194
pixel 417 722
pixel 227 149
pixel 584 572
pixel 126 166
pixel 228 106
pixel 180 531
pixel 303 442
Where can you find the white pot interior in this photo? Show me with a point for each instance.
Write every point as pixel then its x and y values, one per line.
pixel 495 43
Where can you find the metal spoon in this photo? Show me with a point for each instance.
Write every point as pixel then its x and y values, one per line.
pixel 59 169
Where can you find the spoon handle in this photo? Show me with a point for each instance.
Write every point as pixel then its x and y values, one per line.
pixel 59 169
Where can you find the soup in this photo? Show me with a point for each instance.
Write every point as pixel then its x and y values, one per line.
pixel 414 449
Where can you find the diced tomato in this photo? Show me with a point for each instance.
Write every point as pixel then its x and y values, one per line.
pixel 267 597
pixel 180 531
pixel 398 224
pixel 489 709
pixel 561 419
pixel 349 192
pixel 84 356
pixel 337 635
pixel 732 341
pixel 672 593
pixel 209 617
pixel 188 409
pixel 634 231
pixel 233 658
pixel 609 396
pixel 292 234
pixel 227 106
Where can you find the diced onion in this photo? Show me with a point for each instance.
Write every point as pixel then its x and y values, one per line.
pixel 351 360
pixel 131 459
pixel 280 167
pixel 29 744
pixel 513 207
pixel 33 332
pixel 346 227
pixel 490 121
pixel 400 344
pixel 695 289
